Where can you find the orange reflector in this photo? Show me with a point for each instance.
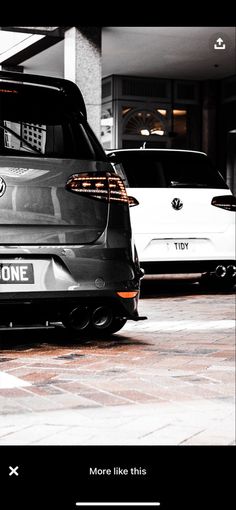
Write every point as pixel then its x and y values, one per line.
pixel 126 295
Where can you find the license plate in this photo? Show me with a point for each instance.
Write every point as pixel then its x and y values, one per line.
pixel 16 273
pixel 181 246
pixel 178 248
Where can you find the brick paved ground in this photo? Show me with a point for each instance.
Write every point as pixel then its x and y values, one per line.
pixel 167 380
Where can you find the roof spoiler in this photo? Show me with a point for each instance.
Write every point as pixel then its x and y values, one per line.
pixel 70 89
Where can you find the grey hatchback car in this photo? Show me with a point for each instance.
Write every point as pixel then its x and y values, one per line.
pixel 66 249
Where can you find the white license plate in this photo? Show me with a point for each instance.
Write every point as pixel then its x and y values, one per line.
pixel 180 245
pixel 16 273
pixel 172 246
pixel 177 247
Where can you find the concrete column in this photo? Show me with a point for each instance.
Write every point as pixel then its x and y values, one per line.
pixel 82 65
pixel 209 118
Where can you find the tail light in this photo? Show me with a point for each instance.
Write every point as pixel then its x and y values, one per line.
pixel 227 202
pixel 103 186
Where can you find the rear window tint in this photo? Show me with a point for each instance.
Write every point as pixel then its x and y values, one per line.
pixel 41 121
pixel 167 169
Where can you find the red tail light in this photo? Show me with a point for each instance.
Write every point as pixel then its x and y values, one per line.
pixel 227 202
pixel 103 186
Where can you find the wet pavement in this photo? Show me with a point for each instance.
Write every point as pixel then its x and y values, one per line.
pixel 167 380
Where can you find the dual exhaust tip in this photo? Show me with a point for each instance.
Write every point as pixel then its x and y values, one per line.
pixel 225 271
pixel 101 317
pixel 82 316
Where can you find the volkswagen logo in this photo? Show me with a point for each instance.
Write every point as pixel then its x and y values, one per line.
pixel 2 186
pixel 177 204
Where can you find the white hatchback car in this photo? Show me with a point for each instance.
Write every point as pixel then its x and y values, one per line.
pixel 185 222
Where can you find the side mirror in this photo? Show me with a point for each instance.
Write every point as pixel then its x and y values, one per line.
pixel 132 201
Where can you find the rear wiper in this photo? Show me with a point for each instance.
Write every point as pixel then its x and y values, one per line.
pixel 33 149
pixel 177 184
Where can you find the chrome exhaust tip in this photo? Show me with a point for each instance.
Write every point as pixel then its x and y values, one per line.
pixel 220 271
pixel 79 318
pixel 231 271
pixel 101 317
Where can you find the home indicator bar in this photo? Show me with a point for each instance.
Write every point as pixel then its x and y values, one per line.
pixel 118 504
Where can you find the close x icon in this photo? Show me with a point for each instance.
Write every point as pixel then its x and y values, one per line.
pixel 14 471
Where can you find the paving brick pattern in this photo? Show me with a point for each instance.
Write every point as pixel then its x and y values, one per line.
pixel 167 380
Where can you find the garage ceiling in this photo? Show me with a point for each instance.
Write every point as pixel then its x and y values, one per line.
pixel 164 52
pixel 169 52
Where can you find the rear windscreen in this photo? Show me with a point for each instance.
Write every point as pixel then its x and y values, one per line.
pixel 154 169
pixel 40 121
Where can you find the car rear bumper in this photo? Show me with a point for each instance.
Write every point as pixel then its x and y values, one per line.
pixel 185 267
pixel 42 307
pixel 65 278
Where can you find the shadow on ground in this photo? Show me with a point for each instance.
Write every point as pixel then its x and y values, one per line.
pixel 152 287
pixel 58 337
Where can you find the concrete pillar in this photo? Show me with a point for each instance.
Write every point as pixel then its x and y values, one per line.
pixel 82 65
pixel 209 117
